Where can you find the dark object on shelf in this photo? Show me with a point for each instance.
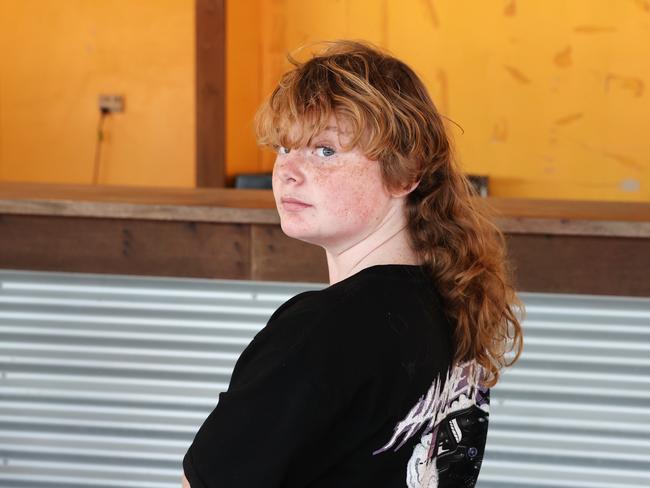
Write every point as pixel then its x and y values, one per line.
pixel 258 181
pixel 480 184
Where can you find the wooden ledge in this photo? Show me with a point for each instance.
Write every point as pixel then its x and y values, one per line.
pixel 135 202
pixel 228 205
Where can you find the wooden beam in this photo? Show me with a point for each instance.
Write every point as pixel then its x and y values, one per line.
pixel 210 93
pixel 554 246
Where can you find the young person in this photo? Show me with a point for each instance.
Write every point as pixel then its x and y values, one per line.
pixel 381 379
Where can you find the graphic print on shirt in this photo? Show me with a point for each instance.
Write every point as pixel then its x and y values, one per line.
pixel 451 446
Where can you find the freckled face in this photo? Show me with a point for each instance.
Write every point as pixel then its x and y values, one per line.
pixel 343 190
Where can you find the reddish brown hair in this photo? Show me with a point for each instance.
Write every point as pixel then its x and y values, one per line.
pixel 395 122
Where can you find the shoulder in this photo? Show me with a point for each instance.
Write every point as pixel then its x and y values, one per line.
pixel 389 296
pixel 363 289
pixel 331 320
pixel 379 328
pixel 375 311
pixel 352 301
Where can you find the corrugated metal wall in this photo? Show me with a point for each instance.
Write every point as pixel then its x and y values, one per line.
pixel 105 380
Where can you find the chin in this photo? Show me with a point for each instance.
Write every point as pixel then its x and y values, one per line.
pixel 301 234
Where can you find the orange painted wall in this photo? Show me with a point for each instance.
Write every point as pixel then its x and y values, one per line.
pixel 553 96
pixel 57 56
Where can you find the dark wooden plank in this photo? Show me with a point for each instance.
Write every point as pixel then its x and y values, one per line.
pixel 581 264
pixel 131 247
pixel 276 257
pixel 542 263
pixel 210 92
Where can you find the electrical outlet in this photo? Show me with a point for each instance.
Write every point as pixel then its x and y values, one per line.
pixel 111 103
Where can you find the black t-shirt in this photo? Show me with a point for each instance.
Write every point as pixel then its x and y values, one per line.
pixel 346 387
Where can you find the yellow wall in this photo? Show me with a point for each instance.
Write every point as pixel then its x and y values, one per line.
pixel 243 85
pixel 57 56
pixel 553 96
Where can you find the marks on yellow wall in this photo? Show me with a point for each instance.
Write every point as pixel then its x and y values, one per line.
pixel 563 58
pixel 631 84
pixel 500 131
pixel 516 74
pixel 643 4
pixel 594 29
pixel 568 119
pixel 431 12
pixel 624 160
pixel 510 10
pixel 550 169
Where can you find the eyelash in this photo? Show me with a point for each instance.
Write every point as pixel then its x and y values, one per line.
pixel 281 149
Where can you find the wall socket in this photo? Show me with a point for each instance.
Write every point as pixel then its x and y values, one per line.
pixel 111 103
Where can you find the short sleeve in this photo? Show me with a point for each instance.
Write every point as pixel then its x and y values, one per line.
pixel 274 409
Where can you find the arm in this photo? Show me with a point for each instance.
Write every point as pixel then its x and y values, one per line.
pixel 186 484
pixel 274 409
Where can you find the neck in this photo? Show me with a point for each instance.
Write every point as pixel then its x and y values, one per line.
pixel 387 244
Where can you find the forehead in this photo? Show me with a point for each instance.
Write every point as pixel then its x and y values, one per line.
pixel 336 128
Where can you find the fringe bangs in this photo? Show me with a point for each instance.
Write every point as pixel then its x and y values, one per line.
pixel 307 96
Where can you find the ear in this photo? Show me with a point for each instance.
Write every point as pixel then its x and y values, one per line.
pixel 405 190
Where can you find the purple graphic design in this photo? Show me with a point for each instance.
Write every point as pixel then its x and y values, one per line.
pixel 459 390
pixel 455 414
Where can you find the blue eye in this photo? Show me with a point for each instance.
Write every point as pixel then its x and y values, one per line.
pixel 282 149
pixel 325 151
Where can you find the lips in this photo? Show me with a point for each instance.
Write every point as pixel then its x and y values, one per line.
pixel 292 204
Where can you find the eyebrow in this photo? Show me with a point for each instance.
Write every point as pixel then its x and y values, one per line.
pixel 329 128
pixel 335 128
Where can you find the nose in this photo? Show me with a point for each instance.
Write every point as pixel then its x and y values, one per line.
pixel 289 167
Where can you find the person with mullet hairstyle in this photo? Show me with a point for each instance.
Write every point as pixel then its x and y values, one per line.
pixel 381 379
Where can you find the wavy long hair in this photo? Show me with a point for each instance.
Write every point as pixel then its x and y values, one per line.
pixel 451 229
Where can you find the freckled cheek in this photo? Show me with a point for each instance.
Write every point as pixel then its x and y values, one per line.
pixel 352 201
